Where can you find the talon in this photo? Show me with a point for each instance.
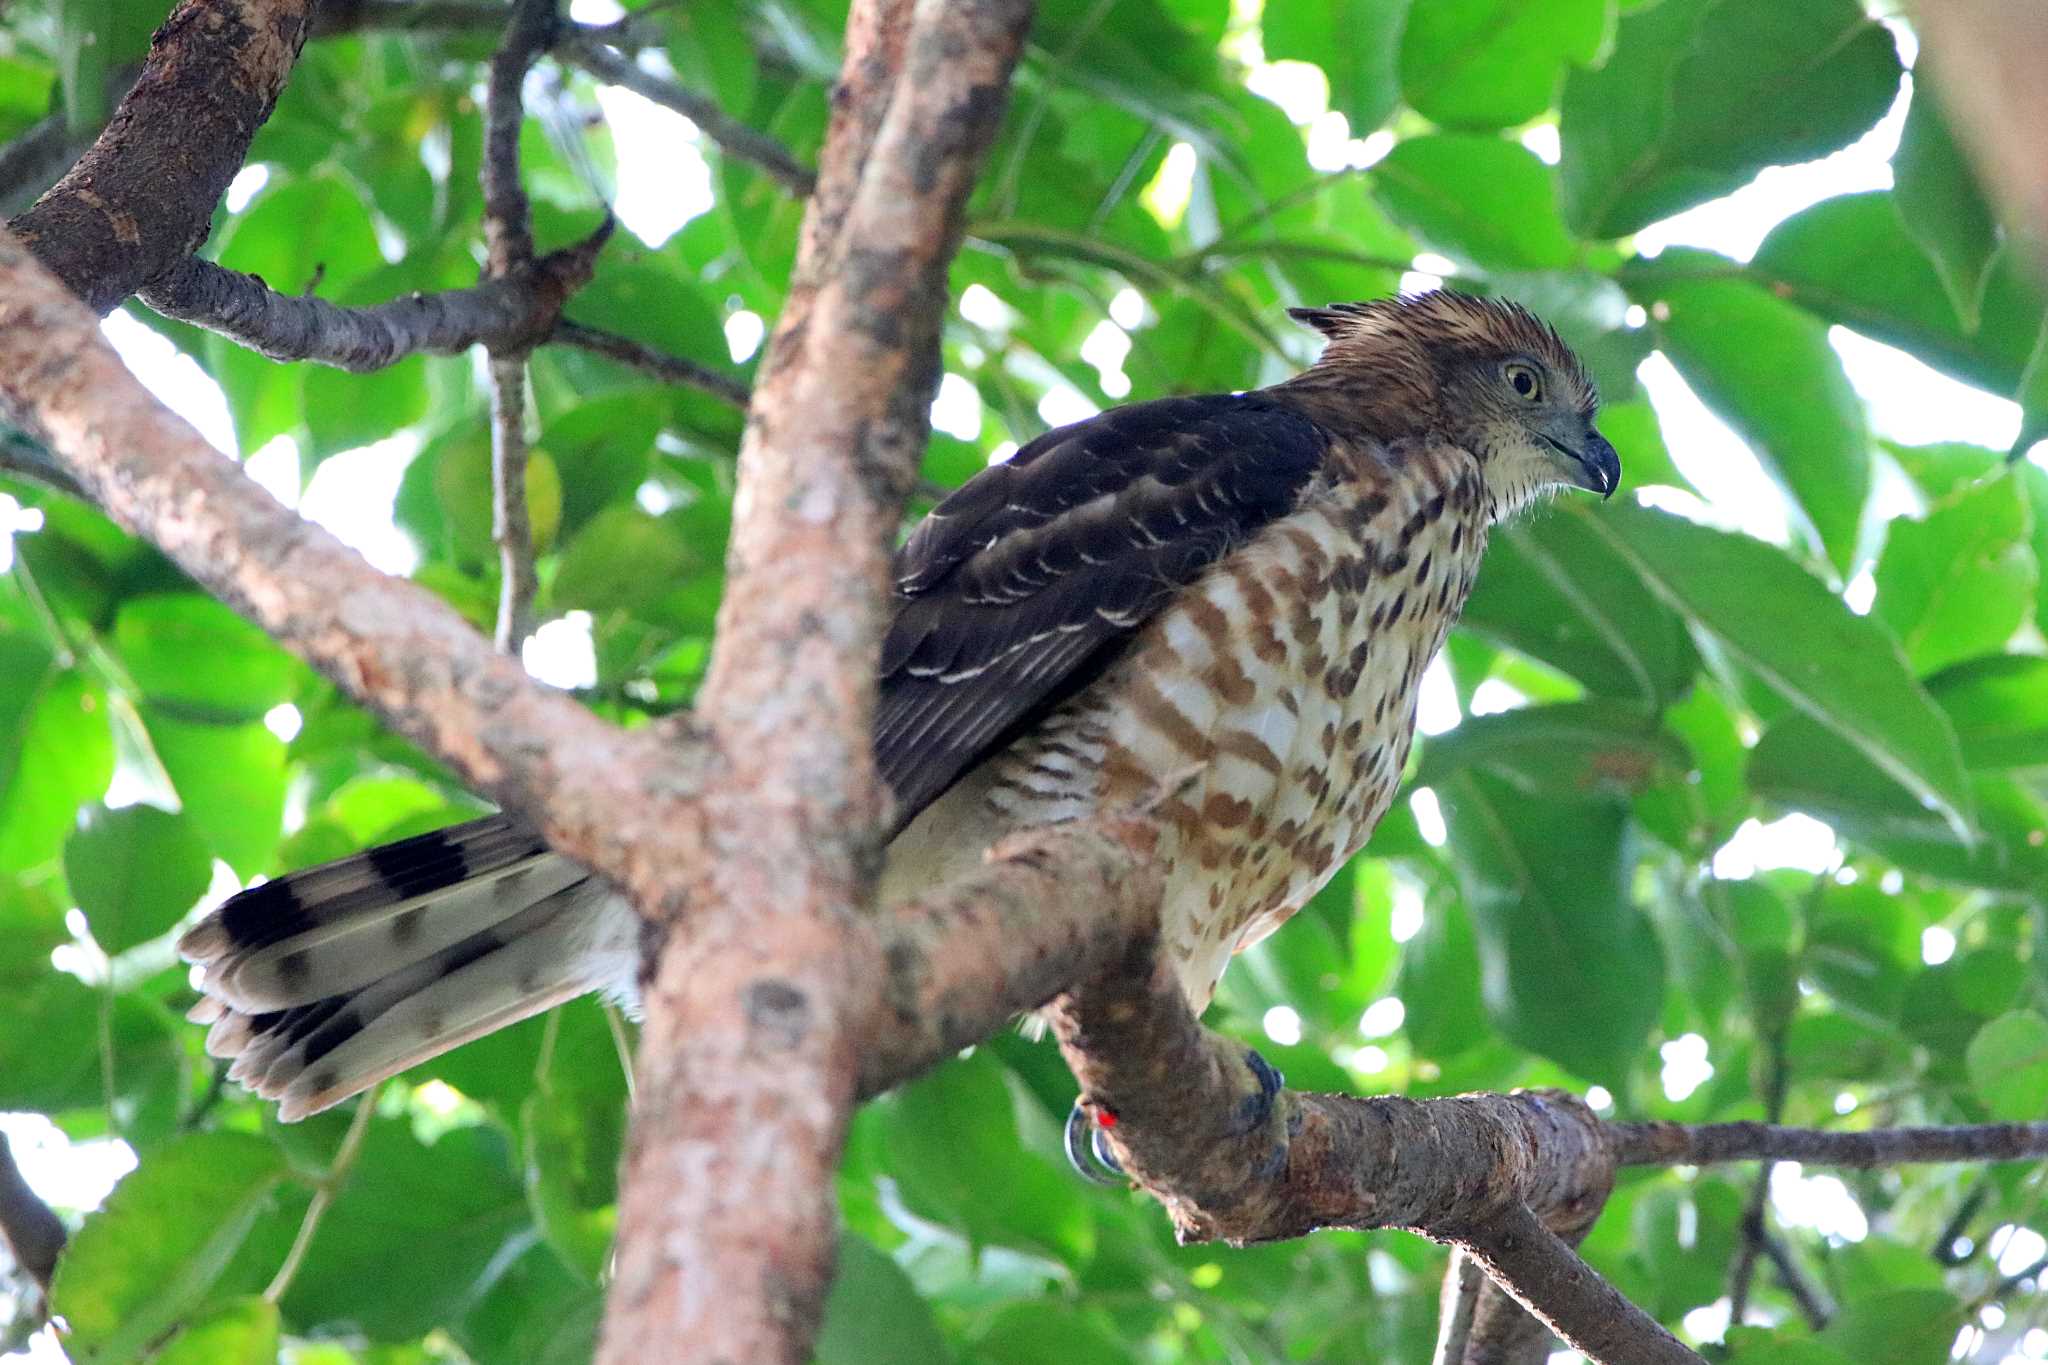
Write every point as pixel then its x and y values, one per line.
pixel 1088 1150
pixel 1253 1110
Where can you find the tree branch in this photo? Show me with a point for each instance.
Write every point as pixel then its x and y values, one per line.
pixel 508 238
pixel 511 525
pixel 734 138
pixel 1550 1281
pixel 142 197
pixel 670 369
pixel 1050 907
pixel 749 1062
pixel 1206 1128
pixel 508 312
pixel 1671 1144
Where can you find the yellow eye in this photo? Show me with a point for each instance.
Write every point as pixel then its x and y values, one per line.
pixel 1524 380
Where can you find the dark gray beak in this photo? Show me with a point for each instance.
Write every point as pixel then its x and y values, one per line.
pixel 1593 465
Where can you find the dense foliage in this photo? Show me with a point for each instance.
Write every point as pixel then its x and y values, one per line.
pixel 1637 683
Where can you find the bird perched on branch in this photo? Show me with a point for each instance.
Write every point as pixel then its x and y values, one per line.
pixel 1227 599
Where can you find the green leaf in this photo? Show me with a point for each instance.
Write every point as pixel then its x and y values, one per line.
pixel 1479 199
pixel 953 1149
pixel 1958 582
pixel 1556 590
pixel 1484 64
pixel 1941 207
pixel 1999 707
pixel 1807 426
pixel 1802 764
pixel 230 781
pixel 622 560
pixel 1904 1327
pixel 190 654
pixel 564 1155
pixel 239 1332
pixel 1571 749
pixel 1941 471
pixel 1701 94
pixel 167 1231
pixel 344 411
pixel 1439 983
pixel 455 1208
pixel 134 871
pixel 1354 41
pixel 302 232
pixel 1753 1346
pixel 1844 670
pixel 603 449
pixel 875 1313
pixel 63 756
pixel 1569 967
pixel 2008 1063
pixel 1848 260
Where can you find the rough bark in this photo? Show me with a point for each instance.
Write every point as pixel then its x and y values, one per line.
pixel 142 197
pixel 512 311
pixel 749 1063
pixel 1051 907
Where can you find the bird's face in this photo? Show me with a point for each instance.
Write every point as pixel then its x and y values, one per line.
pixel 1531 424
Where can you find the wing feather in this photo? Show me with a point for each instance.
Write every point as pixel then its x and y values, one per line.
pixel 1024 585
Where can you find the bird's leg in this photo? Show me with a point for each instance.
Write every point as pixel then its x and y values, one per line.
pixel 1254 1109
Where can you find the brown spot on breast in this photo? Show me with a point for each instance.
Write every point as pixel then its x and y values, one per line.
pixel 1156 710
pixel 1226 812
pixel 1250 748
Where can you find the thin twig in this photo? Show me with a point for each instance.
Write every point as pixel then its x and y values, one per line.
pixel 670 369
pixel 1670 1144
pixel 508 235
pixel 1742 1272
pixel 325 1193
pixel 511 524
pixel 732 137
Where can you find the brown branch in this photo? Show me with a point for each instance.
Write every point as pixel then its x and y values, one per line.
pixel 732 137
pixel 1742 1272
pixel 1050 907
pixel 1670 1144
pixel 670 369
pixel 749 1065
pixel 510 312
pixel 1550 1281
pixel 508 238
pixel 32 1233
pixel 511 525
pixel 142 197
pixel 1203 1125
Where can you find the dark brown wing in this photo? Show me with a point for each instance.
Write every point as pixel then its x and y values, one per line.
pixel 1023 586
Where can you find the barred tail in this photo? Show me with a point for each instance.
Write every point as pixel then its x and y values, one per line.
pixel 326 981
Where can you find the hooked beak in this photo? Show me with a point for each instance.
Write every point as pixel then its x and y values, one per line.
pixel 1593 466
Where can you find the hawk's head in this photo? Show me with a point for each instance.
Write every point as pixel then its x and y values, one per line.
pixel 1487 374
